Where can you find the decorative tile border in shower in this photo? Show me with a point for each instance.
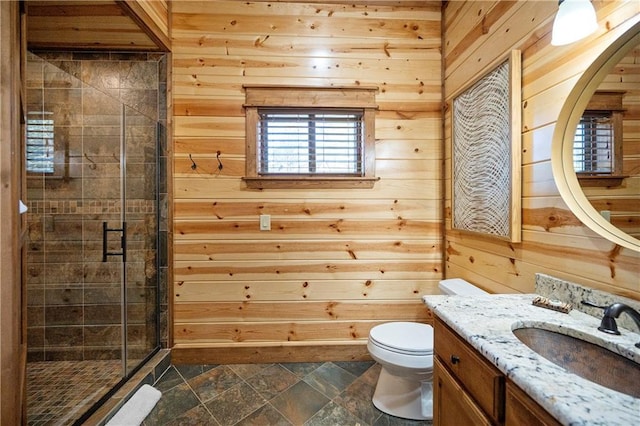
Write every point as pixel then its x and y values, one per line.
pixel 569 292
pixel 90 206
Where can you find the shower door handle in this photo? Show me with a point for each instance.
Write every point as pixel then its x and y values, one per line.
pixel 123 241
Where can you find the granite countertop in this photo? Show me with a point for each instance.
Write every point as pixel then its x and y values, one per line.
pixel 486 322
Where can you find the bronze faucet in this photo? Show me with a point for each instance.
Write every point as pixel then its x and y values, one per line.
pixel 608 324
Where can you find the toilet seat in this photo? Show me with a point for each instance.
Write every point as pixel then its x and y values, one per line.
pixel 406 338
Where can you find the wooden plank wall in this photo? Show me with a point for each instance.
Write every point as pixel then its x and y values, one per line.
pixel 477 34
pixel 12 345
pixel 337 261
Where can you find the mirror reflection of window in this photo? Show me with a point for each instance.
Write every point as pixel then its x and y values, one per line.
pixel 597 144
pixel 593 143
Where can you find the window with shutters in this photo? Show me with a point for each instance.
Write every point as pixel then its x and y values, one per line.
pixel 597 145
pixel 40 143
pixel 593 144
pixel 298 136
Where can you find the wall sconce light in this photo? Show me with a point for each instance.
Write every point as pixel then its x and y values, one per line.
pixel 575 20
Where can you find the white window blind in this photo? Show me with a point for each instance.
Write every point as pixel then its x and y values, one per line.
pixel 310 141
pixel 593 144
pixel 40 143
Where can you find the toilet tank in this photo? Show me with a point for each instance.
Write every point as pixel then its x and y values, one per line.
pixel 460 287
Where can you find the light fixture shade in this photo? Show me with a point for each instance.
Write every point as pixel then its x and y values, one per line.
pixel 575 20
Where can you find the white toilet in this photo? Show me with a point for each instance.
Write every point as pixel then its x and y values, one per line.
pixel 405 352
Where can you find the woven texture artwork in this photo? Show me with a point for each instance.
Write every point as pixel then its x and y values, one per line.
pixel 482 155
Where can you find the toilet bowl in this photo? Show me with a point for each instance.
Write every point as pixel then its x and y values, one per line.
pixel 404 350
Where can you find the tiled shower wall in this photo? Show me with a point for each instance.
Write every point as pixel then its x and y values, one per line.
pixel 73 298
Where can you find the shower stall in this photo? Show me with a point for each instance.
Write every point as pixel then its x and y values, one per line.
pixel 96 254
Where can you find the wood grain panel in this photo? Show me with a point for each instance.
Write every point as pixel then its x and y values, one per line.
pixel 536 146
pixel 347 246
pixel 391 70
pixel 546 254
pixel 209 146
pixel 479 18
pixel 235 167
pixel 247 271
pixel 383 9
pixel 503 24
pixel 193 42
pixel 303 249
pixel 12 306
pixel 225 291
pixel 271 311
pixel 418 94
pixel 310 229
pixel 396 101
pixel 294 331
pixel 306 209
pixel 386 189
pixel 239 353
pixel 315 25
pixel 538 180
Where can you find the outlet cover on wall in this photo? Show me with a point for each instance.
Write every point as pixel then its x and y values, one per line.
pixel 265 222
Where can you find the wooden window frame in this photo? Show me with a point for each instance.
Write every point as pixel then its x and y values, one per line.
pixel 294 97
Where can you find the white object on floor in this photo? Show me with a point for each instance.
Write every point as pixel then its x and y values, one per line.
pixel 405 352
pixel 137 408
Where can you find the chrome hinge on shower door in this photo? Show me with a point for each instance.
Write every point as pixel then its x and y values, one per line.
pixel 123 241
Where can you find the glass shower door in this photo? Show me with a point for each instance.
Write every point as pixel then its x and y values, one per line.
pixel 140 304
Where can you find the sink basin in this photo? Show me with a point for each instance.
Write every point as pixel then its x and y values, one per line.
pixel 585 359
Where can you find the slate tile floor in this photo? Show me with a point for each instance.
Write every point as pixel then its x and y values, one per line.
pixel 310 394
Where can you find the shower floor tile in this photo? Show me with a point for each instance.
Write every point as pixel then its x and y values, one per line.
pixel 60 392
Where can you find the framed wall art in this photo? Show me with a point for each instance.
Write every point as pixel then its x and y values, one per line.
pixel 486 158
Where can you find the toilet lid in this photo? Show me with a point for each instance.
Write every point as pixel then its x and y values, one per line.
pixel 405 337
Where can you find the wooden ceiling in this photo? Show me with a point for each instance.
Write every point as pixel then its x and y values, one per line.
pixel 86 25
pixel 124 24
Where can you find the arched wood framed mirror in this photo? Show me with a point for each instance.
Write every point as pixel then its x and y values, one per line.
pixel 562 157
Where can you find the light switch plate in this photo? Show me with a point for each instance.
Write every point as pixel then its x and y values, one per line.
pixel 265 222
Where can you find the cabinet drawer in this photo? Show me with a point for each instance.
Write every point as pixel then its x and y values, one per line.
pixel 522 410
pixel 483 381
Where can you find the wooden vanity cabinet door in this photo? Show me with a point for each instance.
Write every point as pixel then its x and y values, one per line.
pixel 452 405
pixel 521 410
pixel 481 380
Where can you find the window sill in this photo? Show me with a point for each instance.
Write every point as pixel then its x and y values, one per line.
pixel 294 182
pixel 600 180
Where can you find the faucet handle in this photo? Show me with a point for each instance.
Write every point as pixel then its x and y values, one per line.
pixel 608 325
pixel 593 304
